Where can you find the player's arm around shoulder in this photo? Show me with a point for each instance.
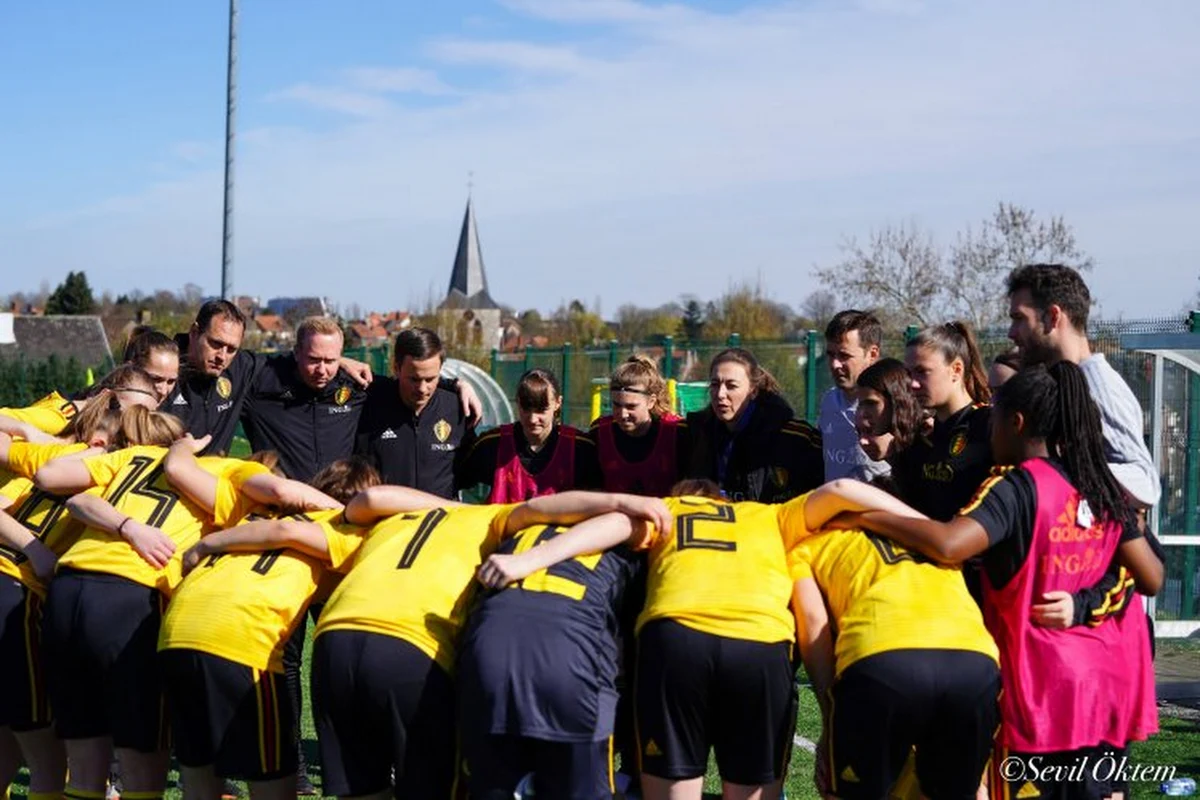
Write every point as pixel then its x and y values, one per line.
pixel 373 504
pixel 297 534
pixel 568 508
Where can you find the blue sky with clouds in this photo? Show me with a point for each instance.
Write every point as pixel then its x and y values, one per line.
pixel 622 150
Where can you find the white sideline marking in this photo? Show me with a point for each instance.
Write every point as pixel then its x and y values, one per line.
pixel 807 744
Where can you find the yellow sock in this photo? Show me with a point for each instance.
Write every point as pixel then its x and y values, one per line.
pixel 45 795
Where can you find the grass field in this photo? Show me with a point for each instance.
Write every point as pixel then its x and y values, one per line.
pixel 1177 744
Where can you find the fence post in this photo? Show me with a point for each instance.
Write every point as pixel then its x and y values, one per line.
pixel 734 340
pixel 911 332
pixel 495 365
pixel 669 357
pixel 528 357
pixel 810 378
pixel 566 380
pixel 612 355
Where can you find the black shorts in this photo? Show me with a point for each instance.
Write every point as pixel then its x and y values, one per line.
pixel 101 643
pixel 943 702
pixel 1089 773
pixel 381 704
pixel 495 765
pixel 695 691
pixel 234 717
pixel 24 705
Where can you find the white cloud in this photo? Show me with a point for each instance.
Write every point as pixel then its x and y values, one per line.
pixel 401 80
pixel 510 55
pixel 675 148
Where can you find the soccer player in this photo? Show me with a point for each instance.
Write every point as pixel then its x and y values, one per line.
pixel 940 472
pixel 539 661
pixel 538 455
pixel 852 340
pixel 125 386
pixel 412 430
pixel 913 665
pixel 713 662
pixel 158 355
pixel 1051 523
pixel 640 446
pixel 38 530
pixel 225 629
pixel 102 613
pixel 887 415
pixel 386 641
pixel 748 440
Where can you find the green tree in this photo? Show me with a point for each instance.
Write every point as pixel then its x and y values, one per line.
pixel 693 320
pixel 745 309
pixel 72 296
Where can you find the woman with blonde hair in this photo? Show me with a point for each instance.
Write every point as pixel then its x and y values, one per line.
pixel 638 445
pixel 105 604
pixel 125 386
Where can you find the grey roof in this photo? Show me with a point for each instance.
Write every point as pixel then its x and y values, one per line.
pixel 38 338
pixel 468 281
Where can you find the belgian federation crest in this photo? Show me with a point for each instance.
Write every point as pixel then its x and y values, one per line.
pixel 342 395
pixel 779 475
pixel 442 430
pixel 224 387
pixel 958 443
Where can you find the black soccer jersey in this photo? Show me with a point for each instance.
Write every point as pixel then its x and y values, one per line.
pixel 541 658
pixel 939 474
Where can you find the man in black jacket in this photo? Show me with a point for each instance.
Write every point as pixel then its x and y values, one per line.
pixel 412 430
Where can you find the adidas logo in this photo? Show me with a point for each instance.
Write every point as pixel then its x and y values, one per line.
pixel 848 775
pixel 179 400
pixel 1029 790
pixel 287 395
pixel 652 750
pixel 388 434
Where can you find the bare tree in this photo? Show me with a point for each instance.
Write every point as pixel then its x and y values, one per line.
pixel 982 259
pixel 899 271
pixel 819 307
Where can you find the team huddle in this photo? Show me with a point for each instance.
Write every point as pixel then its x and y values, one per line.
pixel 955 555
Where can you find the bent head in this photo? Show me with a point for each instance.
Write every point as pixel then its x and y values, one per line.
pixel 215 337
pixel 888 416
pixel 318 351
pixel 344 479
pixel 417 359
pixel 539 402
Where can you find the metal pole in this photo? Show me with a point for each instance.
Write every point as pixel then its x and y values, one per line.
pixel 230 129
pixel 810 377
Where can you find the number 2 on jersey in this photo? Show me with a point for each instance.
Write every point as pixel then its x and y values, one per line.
pixel 685 529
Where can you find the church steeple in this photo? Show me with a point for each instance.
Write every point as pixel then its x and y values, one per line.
pixel 468 281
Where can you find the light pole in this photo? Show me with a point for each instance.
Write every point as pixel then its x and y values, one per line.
pixel 230 126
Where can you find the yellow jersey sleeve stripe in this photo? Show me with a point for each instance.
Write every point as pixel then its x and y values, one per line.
pixel 998 474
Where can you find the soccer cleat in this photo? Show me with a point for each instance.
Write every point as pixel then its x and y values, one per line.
pixel 230 790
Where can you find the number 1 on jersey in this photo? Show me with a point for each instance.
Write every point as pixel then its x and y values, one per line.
pixel 430 521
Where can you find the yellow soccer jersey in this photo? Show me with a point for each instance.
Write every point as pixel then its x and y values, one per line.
pixel 132 480
pixel 411 576
pixel 723 569
pixel 231 505
pixel 44 514
pixel 881 597
pixel 50 415
pixel 244 606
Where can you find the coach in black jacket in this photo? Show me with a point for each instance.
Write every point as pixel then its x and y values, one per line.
pixel 413 431
pixel 763 453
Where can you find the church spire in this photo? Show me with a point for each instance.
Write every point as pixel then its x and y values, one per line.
pixel 468 282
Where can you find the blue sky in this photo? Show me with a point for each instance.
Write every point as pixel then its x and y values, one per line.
pixel 622 150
